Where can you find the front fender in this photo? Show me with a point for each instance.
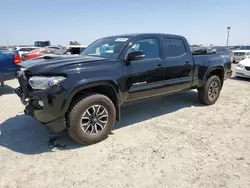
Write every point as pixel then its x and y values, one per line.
pixel 90 83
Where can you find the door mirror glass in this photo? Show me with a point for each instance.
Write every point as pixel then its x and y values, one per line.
pixel 135 55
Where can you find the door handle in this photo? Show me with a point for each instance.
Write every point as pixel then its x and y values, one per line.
pixel 187 62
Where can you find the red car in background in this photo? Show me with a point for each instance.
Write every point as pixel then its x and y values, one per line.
pixel 38 53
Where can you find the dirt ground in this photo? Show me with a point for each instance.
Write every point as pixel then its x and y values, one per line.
pixel 171 141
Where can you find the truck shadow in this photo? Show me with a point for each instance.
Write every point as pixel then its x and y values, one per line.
pixel 6 90
pixel 155 107
pixel 25 135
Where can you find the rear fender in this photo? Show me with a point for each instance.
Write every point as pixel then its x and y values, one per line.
pixel 208 72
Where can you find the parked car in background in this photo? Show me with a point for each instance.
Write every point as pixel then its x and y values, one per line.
pixel 42 43
pixel 242 53
pixel 232 48
pixel 243 68
pixel 8 65
pixel 54 47
pixel 71 50
pixel 38 53
pixel 84 93
pixel 3 48
pixel 25 49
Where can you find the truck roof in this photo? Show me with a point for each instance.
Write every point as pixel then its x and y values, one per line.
pixel 148 34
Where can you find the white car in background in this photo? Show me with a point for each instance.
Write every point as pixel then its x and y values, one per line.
pixel 243 68
pixel 71 50
pixel 242 53
pixel 25 49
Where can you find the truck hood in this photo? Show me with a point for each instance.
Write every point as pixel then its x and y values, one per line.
pixel 245 62
pixel 49 63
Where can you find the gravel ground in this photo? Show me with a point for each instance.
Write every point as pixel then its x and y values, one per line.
pixel 170 141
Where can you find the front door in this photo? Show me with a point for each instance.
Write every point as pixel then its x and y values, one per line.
pixel 145 78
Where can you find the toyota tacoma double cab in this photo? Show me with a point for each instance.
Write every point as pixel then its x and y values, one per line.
pixel 84 94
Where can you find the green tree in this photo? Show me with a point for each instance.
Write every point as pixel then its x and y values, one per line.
pixel 74 43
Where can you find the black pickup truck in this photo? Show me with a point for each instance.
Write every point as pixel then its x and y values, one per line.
pixel 83 94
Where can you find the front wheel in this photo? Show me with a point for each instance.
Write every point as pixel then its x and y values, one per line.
pixel 210 92
pixel 91 119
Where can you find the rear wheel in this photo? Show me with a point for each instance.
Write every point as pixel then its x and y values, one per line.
pixel 91 119
pixel 210 92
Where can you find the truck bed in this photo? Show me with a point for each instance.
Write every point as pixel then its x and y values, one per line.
pixel 202 61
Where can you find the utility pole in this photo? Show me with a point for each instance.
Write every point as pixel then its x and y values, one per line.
pixel 228 30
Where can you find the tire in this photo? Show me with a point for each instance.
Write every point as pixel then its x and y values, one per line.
pixel 85 128
pixel 204 93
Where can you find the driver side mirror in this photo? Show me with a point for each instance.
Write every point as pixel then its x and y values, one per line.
pixel 68 53
pixel 135 55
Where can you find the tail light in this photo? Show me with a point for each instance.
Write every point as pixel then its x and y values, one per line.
pixel 17 59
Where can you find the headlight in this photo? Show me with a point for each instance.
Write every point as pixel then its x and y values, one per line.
pixel 240 65
pixel 42 82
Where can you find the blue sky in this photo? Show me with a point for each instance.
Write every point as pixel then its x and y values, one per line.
pixel 201 22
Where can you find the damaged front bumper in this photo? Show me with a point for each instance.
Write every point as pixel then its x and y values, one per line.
pixel 47 106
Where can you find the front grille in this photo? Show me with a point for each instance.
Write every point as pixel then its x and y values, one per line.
pixel 239 53
pixel 34 104
pixel 247 68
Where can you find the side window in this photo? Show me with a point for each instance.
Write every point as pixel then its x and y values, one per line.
pixel 174 47
pixel 23 49
pixel 30 49
pixel 149 47
pixel 75 51
pixel 48 51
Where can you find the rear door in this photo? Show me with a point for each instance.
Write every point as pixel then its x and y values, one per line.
pixel 179 64
pixel 145 78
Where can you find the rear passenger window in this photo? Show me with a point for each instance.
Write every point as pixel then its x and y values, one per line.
pixel 30 49
pixel 23 49
pixel 174 47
